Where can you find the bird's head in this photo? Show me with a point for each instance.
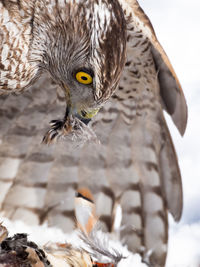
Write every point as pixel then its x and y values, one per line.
pixel 84 45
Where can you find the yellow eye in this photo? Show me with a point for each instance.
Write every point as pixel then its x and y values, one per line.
pixel 83 77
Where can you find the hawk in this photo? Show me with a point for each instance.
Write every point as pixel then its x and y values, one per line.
pixel 112 75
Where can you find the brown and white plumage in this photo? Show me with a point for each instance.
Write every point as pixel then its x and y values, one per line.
pixel 42 36
pixel 89 250
pixel 135 166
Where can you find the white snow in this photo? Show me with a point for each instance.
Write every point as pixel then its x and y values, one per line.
pixel 184 242
pixel 177 24
pixel 43 235
pixel 184 246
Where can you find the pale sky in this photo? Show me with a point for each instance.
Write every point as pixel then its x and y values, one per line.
pixel 177 25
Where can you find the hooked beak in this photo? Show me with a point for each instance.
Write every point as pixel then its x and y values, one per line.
pixel 86 115
pixel 83 114
pixel 74 122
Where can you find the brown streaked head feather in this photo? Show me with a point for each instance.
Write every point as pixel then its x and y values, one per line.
pixel 71 37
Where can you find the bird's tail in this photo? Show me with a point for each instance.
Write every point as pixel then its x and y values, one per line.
pixel 148 185
pixel 133 174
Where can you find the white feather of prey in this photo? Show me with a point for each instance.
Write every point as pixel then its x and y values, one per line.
pixel 100 247
pixel 183 244
pixel 45 237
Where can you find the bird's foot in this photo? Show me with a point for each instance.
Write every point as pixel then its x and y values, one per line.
pixel 73 128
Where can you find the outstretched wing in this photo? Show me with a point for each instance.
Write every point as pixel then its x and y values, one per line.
pixel 135 168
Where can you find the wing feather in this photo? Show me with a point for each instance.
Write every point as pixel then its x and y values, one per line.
pixel 135 166
pixel 170 88
pixel 170 175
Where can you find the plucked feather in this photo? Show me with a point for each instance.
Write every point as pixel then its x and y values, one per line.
pixel 135 166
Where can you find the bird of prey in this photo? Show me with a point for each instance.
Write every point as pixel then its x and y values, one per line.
pixel 101 62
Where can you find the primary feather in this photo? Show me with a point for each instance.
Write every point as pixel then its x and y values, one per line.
pixel 135 166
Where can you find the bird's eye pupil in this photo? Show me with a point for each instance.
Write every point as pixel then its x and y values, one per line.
pixel 83 113
pixel 84 77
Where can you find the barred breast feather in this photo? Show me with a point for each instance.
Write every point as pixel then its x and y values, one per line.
pixel 134 168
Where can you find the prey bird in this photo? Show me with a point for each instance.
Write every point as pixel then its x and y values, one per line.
pixel 101 62
pixel 94 250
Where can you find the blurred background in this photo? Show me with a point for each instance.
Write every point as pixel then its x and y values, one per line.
pixel 177 25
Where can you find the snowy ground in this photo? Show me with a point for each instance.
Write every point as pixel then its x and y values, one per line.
pixel 184 246
pixel 42 235
pixel 184 249
pixel 177 24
